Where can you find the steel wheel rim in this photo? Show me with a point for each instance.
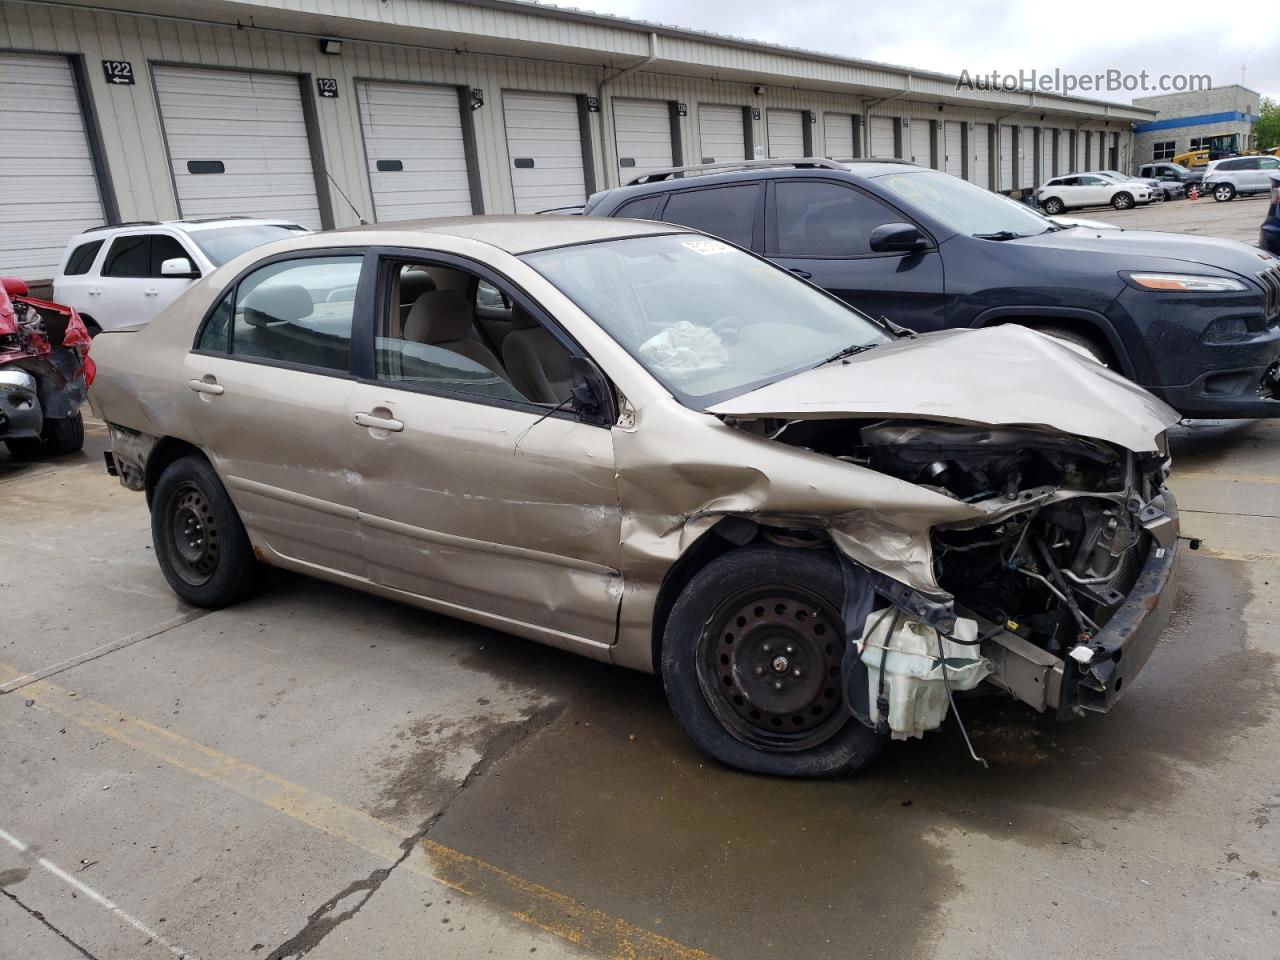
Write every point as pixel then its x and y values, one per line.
pixel 768 663
pixel 193 537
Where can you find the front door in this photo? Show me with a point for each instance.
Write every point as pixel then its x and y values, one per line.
pixel 132 289
pixel 269 398
pixel 821 229
pixel 476 492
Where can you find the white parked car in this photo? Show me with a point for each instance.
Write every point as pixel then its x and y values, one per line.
pixel 118 276
pixel 1234 176
pixel 1090 190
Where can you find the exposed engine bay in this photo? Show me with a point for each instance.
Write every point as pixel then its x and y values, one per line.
pixel 1068 524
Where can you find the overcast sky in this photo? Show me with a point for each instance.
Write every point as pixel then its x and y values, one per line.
pixel 984 35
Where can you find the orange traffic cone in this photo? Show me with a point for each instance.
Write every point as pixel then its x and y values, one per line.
pixel 1195 194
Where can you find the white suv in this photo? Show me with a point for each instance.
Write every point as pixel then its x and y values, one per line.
pixel 1240 175
pixel 122 275
pixel 1090 189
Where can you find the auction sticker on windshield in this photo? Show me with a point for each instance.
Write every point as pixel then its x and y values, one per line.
pixel 707 247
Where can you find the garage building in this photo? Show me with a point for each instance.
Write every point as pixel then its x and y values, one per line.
pixel 330 114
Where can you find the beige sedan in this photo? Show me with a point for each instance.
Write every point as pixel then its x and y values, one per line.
pixel 653 448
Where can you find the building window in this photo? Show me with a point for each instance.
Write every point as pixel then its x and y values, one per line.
pixel 1164 150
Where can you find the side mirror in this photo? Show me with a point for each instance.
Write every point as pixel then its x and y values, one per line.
pixel 592 397
pixel 179 267
pixel 15 286
pixel 897 238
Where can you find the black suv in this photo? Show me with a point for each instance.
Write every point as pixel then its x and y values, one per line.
pixel 1193 319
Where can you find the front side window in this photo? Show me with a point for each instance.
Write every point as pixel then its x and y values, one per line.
pixel 1268 163
pixel 129 257
pixel 164 247
pixel 293 311
pixel 82 258
pixel 964 207
pixel 820 219
pixel 728 212
pixel 708 321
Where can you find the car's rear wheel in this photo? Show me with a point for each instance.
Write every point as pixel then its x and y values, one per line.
pixel 199 540
pixel 751 665
pixel 1053 206
pixel 1224 192
pixel 57 435
pixel 1122 201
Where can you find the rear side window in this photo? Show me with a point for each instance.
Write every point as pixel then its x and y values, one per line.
pixel 292 311
pixel 727 212
pixel 646 208
pixel 819 219
pixel 128 257
pixel 82 258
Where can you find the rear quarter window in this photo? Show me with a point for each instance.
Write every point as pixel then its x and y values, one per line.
pixel 645 208
pixel 82 258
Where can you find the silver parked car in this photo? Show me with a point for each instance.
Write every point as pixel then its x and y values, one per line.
pixel 1159 192
pixel 1240 175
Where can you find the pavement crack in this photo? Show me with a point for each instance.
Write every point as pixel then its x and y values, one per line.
pixel 327 917
pixel 44 921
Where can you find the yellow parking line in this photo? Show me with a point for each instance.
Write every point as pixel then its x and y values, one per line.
pixel 530 902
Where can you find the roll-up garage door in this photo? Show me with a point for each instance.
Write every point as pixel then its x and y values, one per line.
pixel 721 135
pixel 1046 155
pixel 544 144
pixel 882 137
pixel 1006 158
pixel 642 132
pixel 1064 153
pixel 1026 158
pixel 786 133
pixel 238 144
pixel 919 140
pixel 48 189
pixel 980 141
pixel 414 148
pixel 953 136
pixel 837 131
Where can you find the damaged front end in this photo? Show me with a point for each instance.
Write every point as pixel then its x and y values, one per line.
pixel 1052 580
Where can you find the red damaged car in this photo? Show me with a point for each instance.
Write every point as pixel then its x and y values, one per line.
pixel 45 372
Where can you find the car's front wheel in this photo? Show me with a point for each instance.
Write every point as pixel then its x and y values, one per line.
pixel 1122 201
pixel 1224 192
pixel 751 661
pixel 199 540
pixel 1053 206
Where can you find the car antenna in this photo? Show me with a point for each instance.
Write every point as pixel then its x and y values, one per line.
pixel 363 221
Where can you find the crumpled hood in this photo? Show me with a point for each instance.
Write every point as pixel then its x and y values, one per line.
pixel 1003 376
pixel 1199 254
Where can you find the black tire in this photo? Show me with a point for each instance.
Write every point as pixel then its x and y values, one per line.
pixel 57 436
pixel 213 565
pixel 1091 345
pixel 1122 200
pixel 1224 192
pixel 1053 206
pixel 64 435
pixel 804 591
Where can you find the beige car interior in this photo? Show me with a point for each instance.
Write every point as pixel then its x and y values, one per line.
pixel 440 306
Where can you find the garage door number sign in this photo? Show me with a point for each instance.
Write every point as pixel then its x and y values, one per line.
pixel 118 71
pixel 327 87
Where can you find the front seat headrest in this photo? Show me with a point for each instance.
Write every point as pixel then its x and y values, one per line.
pixel 277 303
pixel 439 316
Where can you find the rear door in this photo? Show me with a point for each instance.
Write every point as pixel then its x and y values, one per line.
pixel 734 212
pixel 821 229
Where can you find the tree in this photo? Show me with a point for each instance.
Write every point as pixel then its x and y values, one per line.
pixel 1268 126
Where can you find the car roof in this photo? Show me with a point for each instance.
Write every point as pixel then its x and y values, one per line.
pixel 514 234
pixel 190 226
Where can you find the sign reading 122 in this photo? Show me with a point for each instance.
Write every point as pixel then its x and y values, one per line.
pixel 118 71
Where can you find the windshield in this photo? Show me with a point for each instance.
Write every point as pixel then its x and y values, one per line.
pixel 221 244
pixel 963 206
pixel 706 319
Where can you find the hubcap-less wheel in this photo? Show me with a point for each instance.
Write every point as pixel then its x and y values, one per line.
pixel 193 535
pixel 769 667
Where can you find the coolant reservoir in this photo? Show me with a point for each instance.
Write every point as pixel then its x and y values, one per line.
pixel 912 671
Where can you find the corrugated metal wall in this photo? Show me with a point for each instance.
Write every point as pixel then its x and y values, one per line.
pixel 133 142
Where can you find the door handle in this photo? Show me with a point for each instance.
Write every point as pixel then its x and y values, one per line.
pixel 95 291
pixel 378 423
pixel 150 292
pixel 206 386
pixel 802 274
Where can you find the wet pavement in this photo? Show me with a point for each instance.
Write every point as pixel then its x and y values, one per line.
pixel 321 773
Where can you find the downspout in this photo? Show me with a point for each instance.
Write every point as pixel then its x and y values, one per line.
pixel 866 114
pixel 609 145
